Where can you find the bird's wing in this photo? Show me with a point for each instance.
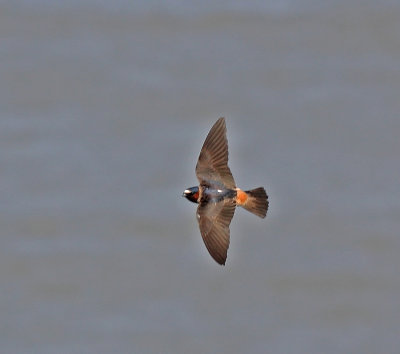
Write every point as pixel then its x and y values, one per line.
pixel 212 165
pixel 214 219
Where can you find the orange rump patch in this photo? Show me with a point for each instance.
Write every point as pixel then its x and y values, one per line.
pixel 241 197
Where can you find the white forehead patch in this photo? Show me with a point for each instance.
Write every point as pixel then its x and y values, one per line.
pixel 187 191
pixel 219 190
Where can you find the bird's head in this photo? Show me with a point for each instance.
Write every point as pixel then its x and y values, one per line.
pixel 191 194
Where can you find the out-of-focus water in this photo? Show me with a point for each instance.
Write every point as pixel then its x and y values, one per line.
pixel 103 110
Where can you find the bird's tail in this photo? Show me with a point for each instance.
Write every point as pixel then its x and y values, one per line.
pixel 256 202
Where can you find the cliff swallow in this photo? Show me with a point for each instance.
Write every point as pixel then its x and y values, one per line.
pixel 217 194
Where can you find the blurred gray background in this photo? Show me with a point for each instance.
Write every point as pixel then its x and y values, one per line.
pixel 104 107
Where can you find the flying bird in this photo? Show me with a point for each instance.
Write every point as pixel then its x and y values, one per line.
pixel 217 194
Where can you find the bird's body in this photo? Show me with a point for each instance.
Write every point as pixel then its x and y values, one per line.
pixel 217 194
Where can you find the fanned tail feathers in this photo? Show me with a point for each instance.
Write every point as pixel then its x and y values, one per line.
pixel 257 202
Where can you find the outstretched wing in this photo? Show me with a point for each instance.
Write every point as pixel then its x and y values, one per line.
pixel 212 165
pixel 214 219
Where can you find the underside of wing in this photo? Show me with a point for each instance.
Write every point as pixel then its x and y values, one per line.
pixel 214 219
pixel 213 160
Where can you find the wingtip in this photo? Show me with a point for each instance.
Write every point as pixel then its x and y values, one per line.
pixel 218 259
pixel 222 263
pixel 220 122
